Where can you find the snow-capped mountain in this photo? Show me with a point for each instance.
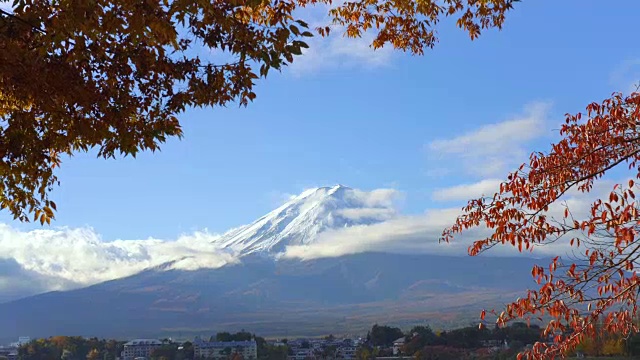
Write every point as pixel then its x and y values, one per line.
pixel 274 295
pixel 300 220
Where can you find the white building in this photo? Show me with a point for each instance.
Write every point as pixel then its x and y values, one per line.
pixel 140 348
pixel 302 354
pixel 398 345
pixel 22 340
pixel 11 353
pixel 219 350
pixel 347 352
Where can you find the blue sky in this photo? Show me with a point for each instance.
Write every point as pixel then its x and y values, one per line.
pixel 345 114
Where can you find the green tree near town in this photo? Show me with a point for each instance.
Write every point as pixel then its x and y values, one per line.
pixel 185 351
pixel 165 352
pixel 383 335
pixel 419 337
pixel 70 348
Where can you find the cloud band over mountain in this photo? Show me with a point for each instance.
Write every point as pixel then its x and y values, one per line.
pixel 66 257
pixel 324 222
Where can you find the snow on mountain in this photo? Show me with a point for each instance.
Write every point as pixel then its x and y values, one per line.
pixel 300 220
pixel 64 258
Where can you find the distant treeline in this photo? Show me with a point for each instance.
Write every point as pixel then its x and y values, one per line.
pixel 70 348
pixel 79 348
pixel 420 342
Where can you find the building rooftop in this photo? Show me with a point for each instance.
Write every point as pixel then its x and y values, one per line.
pixel 223 344
pixel 143 342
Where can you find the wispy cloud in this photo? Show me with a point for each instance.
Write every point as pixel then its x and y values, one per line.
pixel 493 149
pixel 387 198
pixel 420 233
pixel 277 198
pixel 64 258
pixel 626 76
pixel 403 234
pixel 16 282
pixel 467 191
pixel 336 50
pixel 367 213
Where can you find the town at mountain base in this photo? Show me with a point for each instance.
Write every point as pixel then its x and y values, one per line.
pixel 380 342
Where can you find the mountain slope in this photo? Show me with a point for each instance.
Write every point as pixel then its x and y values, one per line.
pixel 300 220
pixel 274 298
pixel 272 295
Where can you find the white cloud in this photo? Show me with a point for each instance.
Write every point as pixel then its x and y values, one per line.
pixel 336 50
pixel 493 149
pixel 485 187
pixel 386 198
pixel 376 198
pixel 367 213
pixel 340 51
pixel 406 234
pixel 626 76
pixel 64 258
pixel 403 234
pixel 420 233
pixel 68 257
pixel 16 282
pixel 277 198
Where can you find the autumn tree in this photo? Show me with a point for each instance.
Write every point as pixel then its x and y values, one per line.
pixel 114 75
pixel 94 354
pixel 593 289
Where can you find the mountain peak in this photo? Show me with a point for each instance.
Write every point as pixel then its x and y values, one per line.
pixel 339 187
pixel 300 220
pixel 322 191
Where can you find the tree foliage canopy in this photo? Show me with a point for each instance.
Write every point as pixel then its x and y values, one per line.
pixel 70 348
pixel 114 74
pixel 383 335
pixel 598 281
